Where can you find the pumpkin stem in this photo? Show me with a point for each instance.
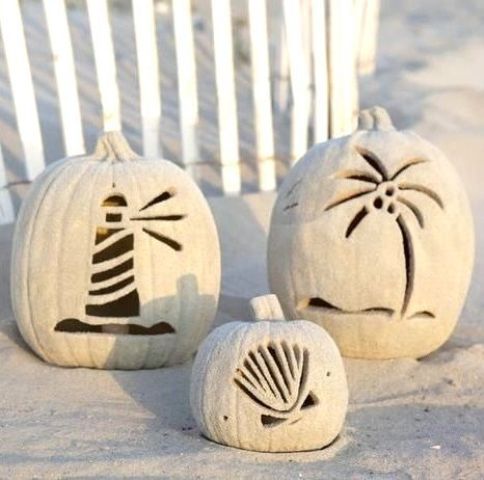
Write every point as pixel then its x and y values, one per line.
pixel 375 118
pixel 114 147
pixel 266 307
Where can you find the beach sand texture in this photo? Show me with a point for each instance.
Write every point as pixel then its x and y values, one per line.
pixel 407 419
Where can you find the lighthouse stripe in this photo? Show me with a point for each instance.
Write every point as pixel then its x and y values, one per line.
pixel 119 247
pixel 121 307
pixel 111 297
pixel 104 266
pixel 111 281
pixel 114 287
pixel 112 272
pixel 102 234
pixel 105 235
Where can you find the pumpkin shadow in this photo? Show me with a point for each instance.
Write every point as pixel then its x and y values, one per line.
pixel 242 223
pixel 164 393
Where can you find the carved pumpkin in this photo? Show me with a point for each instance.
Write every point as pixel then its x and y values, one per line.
pixel 116 261
pixel 269 386
pixel 371 237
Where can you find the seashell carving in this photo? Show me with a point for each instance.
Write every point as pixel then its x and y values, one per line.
pixel 274 377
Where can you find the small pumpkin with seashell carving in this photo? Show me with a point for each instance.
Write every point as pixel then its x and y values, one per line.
pixel 372 238
pixel 269 386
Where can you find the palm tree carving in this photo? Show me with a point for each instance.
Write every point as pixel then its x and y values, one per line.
pixel 387 193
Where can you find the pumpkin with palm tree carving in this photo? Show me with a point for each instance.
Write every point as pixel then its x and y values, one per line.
pixel 372 238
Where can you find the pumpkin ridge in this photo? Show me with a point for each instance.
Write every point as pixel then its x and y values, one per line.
pixel 90 352
pixel 60 252
pixel 148 340
pixel 32 229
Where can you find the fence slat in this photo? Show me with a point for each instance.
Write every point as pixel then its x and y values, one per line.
pixel 105 63
pixel 342 68
pixel 367 16
pixel 261 91
pixel 7 214
pixel 300 82
pixel 320 70
pixel 22 86
pixel 65 74
pixel 226 99
pixel 148 74
pixel 187 81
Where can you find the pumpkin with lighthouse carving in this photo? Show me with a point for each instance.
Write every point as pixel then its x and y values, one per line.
pixel 372 238
pixel 116 261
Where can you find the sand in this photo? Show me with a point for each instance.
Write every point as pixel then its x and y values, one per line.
pixel 408 419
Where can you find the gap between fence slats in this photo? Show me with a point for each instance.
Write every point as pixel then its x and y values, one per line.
pixel 261 92
pixel 105 63
pixel 187 82
pixel 7 214
pixel 65 75
pixel 22 87
pixel 226 98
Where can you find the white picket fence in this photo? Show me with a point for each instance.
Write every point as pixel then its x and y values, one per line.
pixel 321 46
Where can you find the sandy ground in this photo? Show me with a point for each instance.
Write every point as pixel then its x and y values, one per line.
pixel 408 419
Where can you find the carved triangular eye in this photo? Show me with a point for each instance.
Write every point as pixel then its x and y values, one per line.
pixel 310 401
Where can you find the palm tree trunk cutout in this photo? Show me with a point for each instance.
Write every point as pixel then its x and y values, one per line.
pixel 113 262
pixel 409 263
pixel 387 193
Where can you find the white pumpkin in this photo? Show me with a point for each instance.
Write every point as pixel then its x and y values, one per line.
pixel 269 386
pixel 371 237
pixel 116 261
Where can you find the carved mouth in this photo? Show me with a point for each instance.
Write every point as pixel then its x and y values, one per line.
pixel 73 325
pixel 319 303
